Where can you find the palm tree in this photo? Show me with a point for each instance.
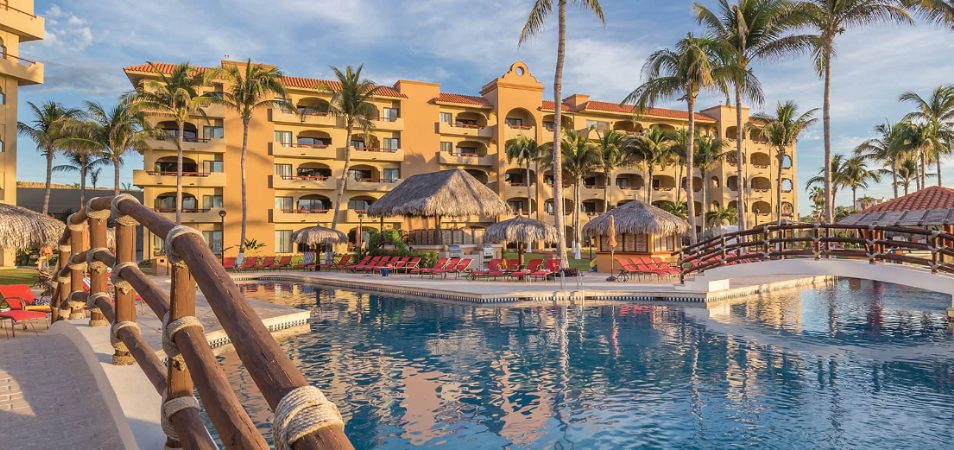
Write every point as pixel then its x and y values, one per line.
pixel 250 87
pixel 538 14
pixel 680 151
pixel 936 117
pixel 118 130
pixel 175 96
pixel 654 148
pixel 855 174
pixel 722 216
pixel 754 29
pixel 613 155
pixel 526 151
pixel 888 149
pixel 84 152
pixel 677 209
pixel 828 19
pixel 817 196
pixel 782 131
pixel 580 157
pixel 939 11
pixel 351 101
pixel 837 169
pixel 685 72
pixel 46 131
pixel 907 172
pixel 94 176
pixel 709 151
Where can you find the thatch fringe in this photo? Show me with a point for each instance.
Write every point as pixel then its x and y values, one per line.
pixel 448 193
pixel 21 228
pixel 318 235
pixel 636 217
pixel 521 229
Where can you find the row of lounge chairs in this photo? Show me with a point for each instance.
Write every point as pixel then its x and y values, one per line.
pixel 510 269
pixel 644 266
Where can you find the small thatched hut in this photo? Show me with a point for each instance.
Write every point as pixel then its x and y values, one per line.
pixel 522 231
pixel 641 229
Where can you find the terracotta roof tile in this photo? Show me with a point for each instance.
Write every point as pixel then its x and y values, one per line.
pixel 462 99
pixel 297 82
pixel 934 197
pixel 548 106
pixel 655 112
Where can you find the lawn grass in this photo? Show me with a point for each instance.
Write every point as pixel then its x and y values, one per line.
pixel 25 276
pixel 581 264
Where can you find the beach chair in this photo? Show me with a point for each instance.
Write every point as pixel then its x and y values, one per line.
pixel 456 269
pixel 362 267
pixel 447 263
pixel 552 267
pixel 363 261
pixel 397 265
pixel 229 264
pixel 664 266
pixel 249 263
pixel 24 295
pixel 532 266
pixel 626 269
pixel 420 270
pixel 383 262
pixel 342 262
pixel 265 263
pixel 411 265
pixel 645 266
pixel 478 272
pixel 282 263
pixel 17 304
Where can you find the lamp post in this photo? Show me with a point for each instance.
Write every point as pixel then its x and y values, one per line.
pixel 360 231
pixel 222 241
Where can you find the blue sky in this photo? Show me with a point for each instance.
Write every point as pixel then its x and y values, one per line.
pixel 461 45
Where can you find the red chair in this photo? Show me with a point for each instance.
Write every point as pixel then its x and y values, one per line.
pixel 341 264
pixel 494 263
pixel 627 269
pixel 553 266
pixel 395 266
pixel 18 300
pixel 229 264
pixel 363 261
pixel 411 265
pixel 532 266
pixel 249 263
pixel 24 295
pixel 362 267
pixel 265 263
pixel 441 263
pixel 420 270
pixel 283 262
pixel 456 269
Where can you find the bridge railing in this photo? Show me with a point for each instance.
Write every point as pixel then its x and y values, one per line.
pixel 876 244
pixel 304 418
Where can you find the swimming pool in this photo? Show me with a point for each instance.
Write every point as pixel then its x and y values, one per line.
pixel 855 364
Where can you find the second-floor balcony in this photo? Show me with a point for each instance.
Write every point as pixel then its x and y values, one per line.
pixel 371 184
pixel 297 215
pixel 310 117
pixel 513 131
pixel 303 182
pixel 23 22
pixel 466 159
pixel 388 123
pixel 465 129
pixel 377 154
pixel 189 144
pixel 24 70
pixel 189 179
pixel 192 215
pixel 301 150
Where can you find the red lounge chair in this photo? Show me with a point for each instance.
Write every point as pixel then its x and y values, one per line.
pixel 362 267
pixel 420 270
pixel 342 262
pixel 532 266
pixel 387 261
pixel 363 261
pixel 627 269
pixel 229 264
pixel 264 262
pixel 646 266
pixel 411 265
pixel 382 261
pixel 17 313
pixel 663 266
pixel 494 263
pixel 22 294
pixel 456 269
pixel 444 262
pixel 552 267
pixel 282 263
pixel 249 263
pixel 395 266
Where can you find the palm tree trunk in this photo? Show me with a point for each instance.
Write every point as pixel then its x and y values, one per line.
pixel 343 181
pixel 705 197
pixel 679 183
pixel 536 182
pixel 606 192
pixel 826 121
pixel 576 214
pixel 179 141
pixel 894 177
pixel 937 161
pixel 557 157
pixel 529 198
pixel 923 170
pixel 649 187
pixel 778 197
pixel 116 163
pixel 83 170
pixel 690 169
pixel 740 210
pixel 49 181
pixel 244 187
pixel 854 196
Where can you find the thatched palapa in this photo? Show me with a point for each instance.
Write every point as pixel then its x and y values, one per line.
pixel 521 229
pixel 22 228
pixel 448 193
pixel 636 217
pixel 318 235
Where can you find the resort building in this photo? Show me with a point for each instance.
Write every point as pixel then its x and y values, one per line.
pixel 294 159
pixel 18 24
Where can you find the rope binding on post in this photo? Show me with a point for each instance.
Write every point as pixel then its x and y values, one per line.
pixel 300 412
pixel 118 282
pixel 118 215
pixel 172 235
pixel 170 328
pixel 93 214
pixel 92 263
pixel 114 339
pixel 75 226
pixel 170 407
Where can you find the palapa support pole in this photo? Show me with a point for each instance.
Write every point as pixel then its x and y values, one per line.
pixel 125 295
pixel 77 229
pixel 97 270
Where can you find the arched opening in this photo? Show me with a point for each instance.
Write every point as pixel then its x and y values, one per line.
pixel 663 183
pixel 480 175
pixel 470 119
pixel 761 184
pixel 698 208
pixel 629 181
pixel 734 204
pixel 169 128
pixel 761 208
pixel 313 203
pixel 519 118
pixel 732 159
pixel 365 235
pixel 167 165
pixel 760 160
pixel 786 162
pixel 363 141
pixel 756 135
pixel 788 209
pixel 522 205
pixel 518 177
pixel 731 132
pixel 314 171
pixel 314 139
pixel 714 205
pixel 628 127
pixel 594 181
pixel 696 183
pixel 567 207
pixel 166 202
pixel 471 148
pixel 566 122
pixel 360 203
pixel 592 207
pixel 313 106
pixel 364 172
pixel 732 182
pixel 787 185
pixel 715 182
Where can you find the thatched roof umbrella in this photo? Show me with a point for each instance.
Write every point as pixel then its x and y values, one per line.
pixel 448 193
pixel 521 230
pixel 22 228
pixel 318 236
pixel 636 217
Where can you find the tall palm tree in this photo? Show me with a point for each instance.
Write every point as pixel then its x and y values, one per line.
pixel 837 170
pixel 709 151
pixel 118 130
pixel 782 131
pixel 693 67
pixel 940 11
pixel 580 157
pixel 936 115
pixel 83 150
pixel 351 101
pixel 613 155
pixel 754 29
pixel 177 97
pixel 827 20
pixel 907 171
pixel 250 87
pixel 680 151
pixel 653 148
pixel 888 149
pixel 538 15
pixel 817 196
pixel 855 174
pixel 46 131
pixel 526 152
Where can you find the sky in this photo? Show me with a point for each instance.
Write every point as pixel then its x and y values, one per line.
pixel 462 45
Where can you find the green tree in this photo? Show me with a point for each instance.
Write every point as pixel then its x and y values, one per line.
pixel 580 157
pixel 782 131
pixel 250 87
pixel 888 149
pixel 118 130
pixel 613 155
pixel 907 172
pixel 526 152
pixel 828 19
pixel 175 96
pixel 935 117
pixel 939 11
pixel 855 175
pixel 693 67
pixel 538 15
pixel 653 148
pixel 837 163
pixel 709 151
pixel 46 131
pixel 678 209
pixel 722 216
pixel 83 151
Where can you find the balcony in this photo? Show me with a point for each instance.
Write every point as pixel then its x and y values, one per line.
pixel 515 131
pixel 277 115
pixel 188 144
pixel 215 110
pixel 377 154
pixel 189 179
pixel 313 151
pixel 466 159
pixel 23 23
pixel 371 184
pixel 310 216
pixel 207 215
pixel 24 70
pixel 460 129
pixel 351 216
pixel 388 124
pixel 302 182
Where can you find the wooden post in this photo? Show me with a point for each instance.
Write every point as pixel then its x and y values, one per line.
pixel 97 270
pixel 62 284
pixel 125 295
pixel 933 240
pixel 77 227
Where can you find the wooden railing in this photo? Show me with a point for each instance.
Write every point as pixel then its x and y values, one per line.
pixel 822 241
pixel 305 419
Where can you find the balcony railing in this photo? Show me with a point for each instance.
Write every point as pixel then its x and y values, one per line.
pixel 184 210
pixel 305 177
pixel 301 145
pixel 304 210
pixel 520 127
pixel 170 137
pixel 18 60
pixel 377 149
pixel 173 173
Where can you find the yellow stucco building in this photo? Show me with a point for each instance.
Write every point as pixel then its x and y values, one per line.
pixel 18 24
pixel 294 159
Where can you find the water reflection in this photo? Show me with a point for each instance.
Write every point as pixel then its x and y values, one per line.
pixel 844 366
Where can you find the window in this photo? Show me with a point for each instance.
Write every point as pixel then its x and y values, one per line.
pixel 359 204
pixel 514 121
pixel 357 143
pixel 283 242
pixel 598 124
pixel 214 238
pixel 283 170
pixel 447 147
pixel 392 144
pixel 212 201
pixel 390 114
pixel 283 137
pixel 663 243
pixel 548 125
pixel 284 203
pixel 361 174
pixel 314 204
pixel 158 246
pixel 3 97
pixel 446 117
pixel 392 174
pixel 517 205
pixel 1 146
pixel 212 166
pixel 213 132
pixel 467 151
pixel 622 182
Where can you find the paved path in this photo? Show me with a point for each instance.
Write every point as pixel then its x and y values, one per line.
pixel 49 398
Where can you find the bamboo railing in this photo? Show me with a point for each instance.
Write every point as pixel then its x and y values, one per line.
pixel 305 419
pixel 822 241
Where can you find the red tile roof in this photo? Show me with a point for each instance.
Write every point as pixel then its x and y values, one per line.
pixel 934 197
pixel 462 99
pixel 655 112
pixel 296 82
pixel 548 106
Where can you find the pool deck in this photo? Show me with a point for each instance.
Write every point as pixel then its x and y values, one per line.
pixel 591 286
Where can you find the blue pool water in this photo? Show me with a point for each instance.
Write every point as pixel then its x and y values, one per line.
pixel 855 364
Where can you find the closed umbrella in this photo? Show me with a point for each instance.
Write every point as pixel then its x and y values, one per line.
pixel 611 241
